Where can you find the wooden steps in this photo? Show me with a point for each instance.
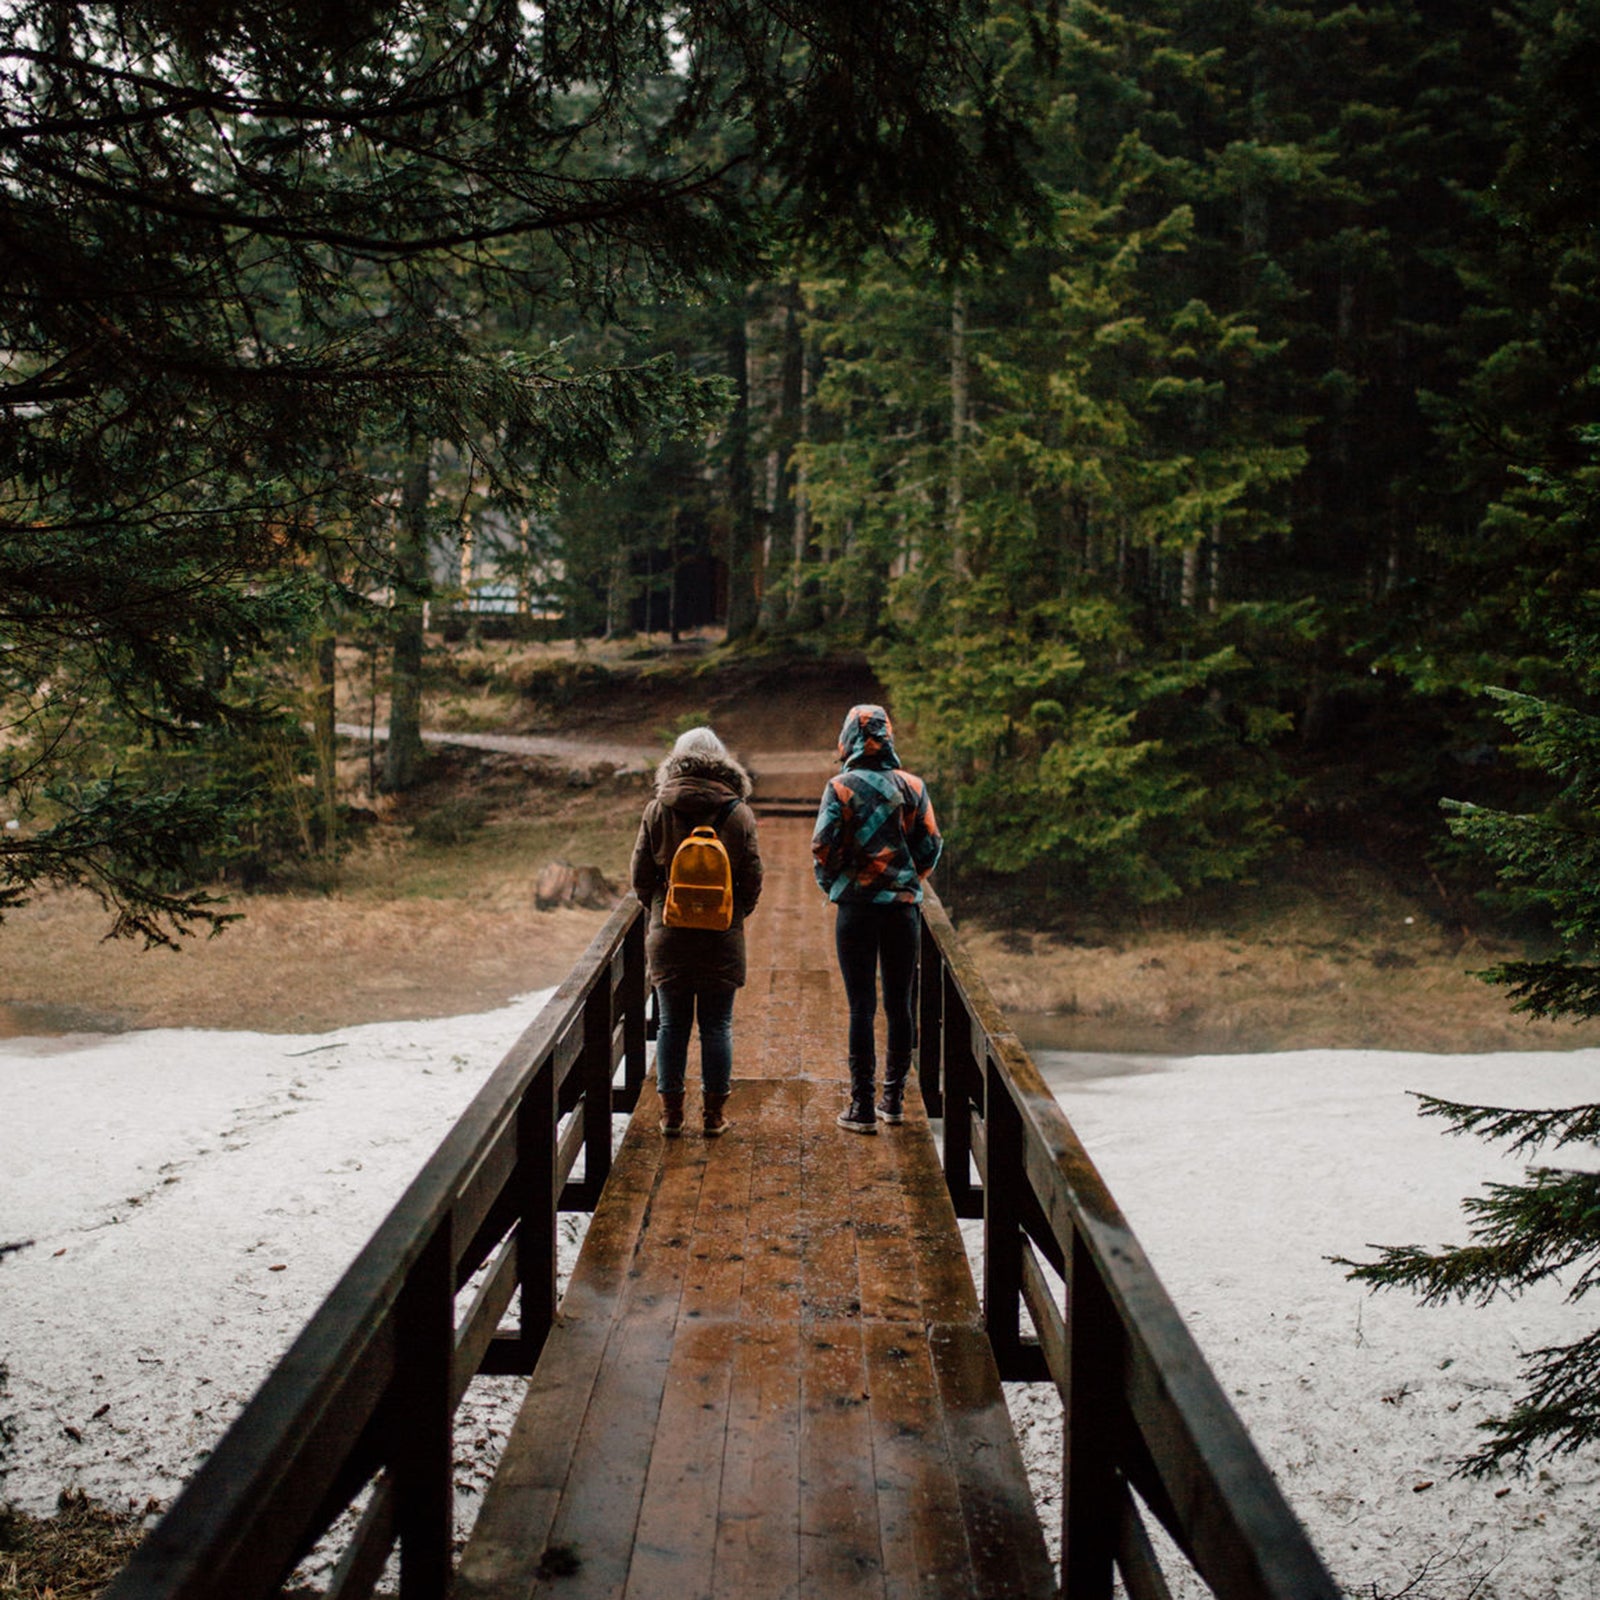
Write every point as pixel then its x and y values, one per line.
pixel 769 1375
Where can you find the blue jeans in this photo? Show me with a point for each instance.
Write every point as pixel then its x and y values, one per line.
pixel 679 1003
pixel 870 937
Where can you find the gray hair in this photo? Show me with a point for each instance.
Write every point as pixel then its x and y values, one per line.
pixel 699 742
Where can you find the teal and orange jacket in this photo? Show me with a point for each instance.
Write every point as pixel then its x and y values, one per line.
pixel 876 836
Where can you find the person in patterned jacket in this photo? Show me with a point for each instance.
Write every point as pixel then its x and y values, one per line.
pixel 875 841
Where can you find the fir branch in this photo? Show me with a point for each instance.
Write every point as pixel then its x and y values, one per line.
pixel 1527 1130
pixel 1523 1233
pixel 1549 990
pixel 1559 1414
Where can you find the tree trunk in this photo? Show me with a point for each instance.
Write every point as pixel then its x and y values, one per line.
pixel 324 714
pixel 402 763
pixel 804 609
pixel 783 502
pixel 742 602
pixel 959 424
pixel 1189 583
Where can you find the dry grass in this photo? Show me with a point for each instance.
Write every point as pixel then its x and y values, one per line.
pixel 408 929
pixel 70 1556
pixel 1329 960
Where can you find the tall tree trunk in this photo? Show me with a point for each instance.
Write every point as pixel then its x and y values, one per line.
pixel 742 603
pixel 783 503
pixel 959 425
pixel 324 714
pixel 402 761
pixel 1189 583
pixel 619 595
pixel 804 611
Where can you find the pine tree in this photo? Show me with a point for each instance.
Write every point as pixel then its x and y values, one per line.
pixel 246 252
pixel 1531 583
pixel 1530 265
pixel 1548 1225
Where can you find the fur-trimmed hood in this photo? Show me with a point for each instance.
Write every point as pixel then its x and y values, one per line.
pixel 694 774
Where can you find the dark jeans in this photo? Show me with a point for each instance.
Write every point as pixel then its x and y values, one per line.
pixel 870 937
pixel 679 1003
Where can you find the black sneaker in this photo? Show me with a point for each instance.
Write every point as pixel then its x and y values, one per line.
pixel 858 1118
pixel 891 1109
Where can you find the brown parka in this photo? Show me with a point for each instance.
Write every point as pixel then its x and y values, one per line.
pixel 693 791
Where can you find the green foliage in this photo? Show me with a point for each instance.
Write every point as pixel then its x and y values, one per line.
pixel 1547 1226
pixel 261 262
pixel 1520 426
pixel 1061 742
pixel 139 808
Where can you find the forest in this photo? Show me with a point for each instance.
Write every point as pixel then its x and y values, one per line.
pixel 1190 408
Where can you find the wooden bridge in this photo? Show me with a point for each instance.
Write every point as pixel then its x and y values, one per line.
pixel 770 1373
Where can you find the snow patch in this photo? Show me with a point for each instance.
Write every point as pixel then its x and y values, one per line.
pixel 192 1196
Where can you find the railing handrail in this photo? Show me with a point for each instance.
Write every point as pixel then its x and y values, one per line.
pixel 1129 1371
pixel 369 1387
pixel 367 1393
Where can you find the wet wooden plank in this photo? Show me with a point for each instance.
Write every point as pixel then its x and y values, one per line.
pixel 597 1519
pixel 831 1284
pixel 770 1291
pixel 674 1551
pixel 1002 1525
pixel 758 1524
pixel 943 1276
pixel 920 1526
pixel 840 1552
pixel 886 1272
pixel 714 1271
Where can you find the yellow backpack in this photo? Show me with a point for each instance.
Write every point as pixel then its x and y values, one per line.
pixel 700 884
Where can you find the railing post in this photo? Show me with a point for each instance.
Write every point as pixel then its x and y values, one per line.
pixel 422 1419
pixel 930 1021
pixel 1002 1222
pixel 961 1086
pixel 597 1073
pixel 1089 1486
pixel 635 998
pixel 536 1231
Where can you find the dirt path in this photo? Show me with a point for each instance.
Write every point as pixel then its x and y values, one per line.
pixel 411 931
pixel 578 754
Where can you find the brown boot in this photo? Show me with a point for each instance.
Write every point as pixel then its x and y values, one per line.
pixel 672 1113
pixel 714 1123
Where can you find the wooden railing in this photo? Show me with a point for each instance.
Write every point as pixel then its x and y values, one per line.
pixel 360 1411
pixel 365 1398
pixel 1142 1412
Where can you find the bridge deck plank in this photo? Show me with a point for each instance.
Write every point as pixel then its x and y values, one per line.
pixel 769 1377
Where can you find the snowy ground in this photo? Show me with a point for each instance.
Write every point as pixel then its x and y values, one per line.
pixel 1241 1175
pixel 192 1196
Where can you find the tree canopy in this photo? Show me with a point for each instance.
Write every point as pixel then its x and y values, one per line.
pixel 250 255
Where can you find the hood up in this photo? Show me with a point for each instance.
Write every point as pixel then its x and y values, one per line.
pixel 867 739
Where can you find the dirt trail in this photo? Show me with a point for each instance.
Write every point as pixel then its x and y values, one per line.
pixel 577 753
pixel 412 930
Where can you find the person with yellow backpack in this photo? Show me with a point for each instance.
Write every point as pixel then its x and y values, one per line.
pixel 697 868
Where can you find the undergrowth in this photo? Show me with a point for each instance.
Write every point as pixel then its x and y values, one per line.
pixel 70 1556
